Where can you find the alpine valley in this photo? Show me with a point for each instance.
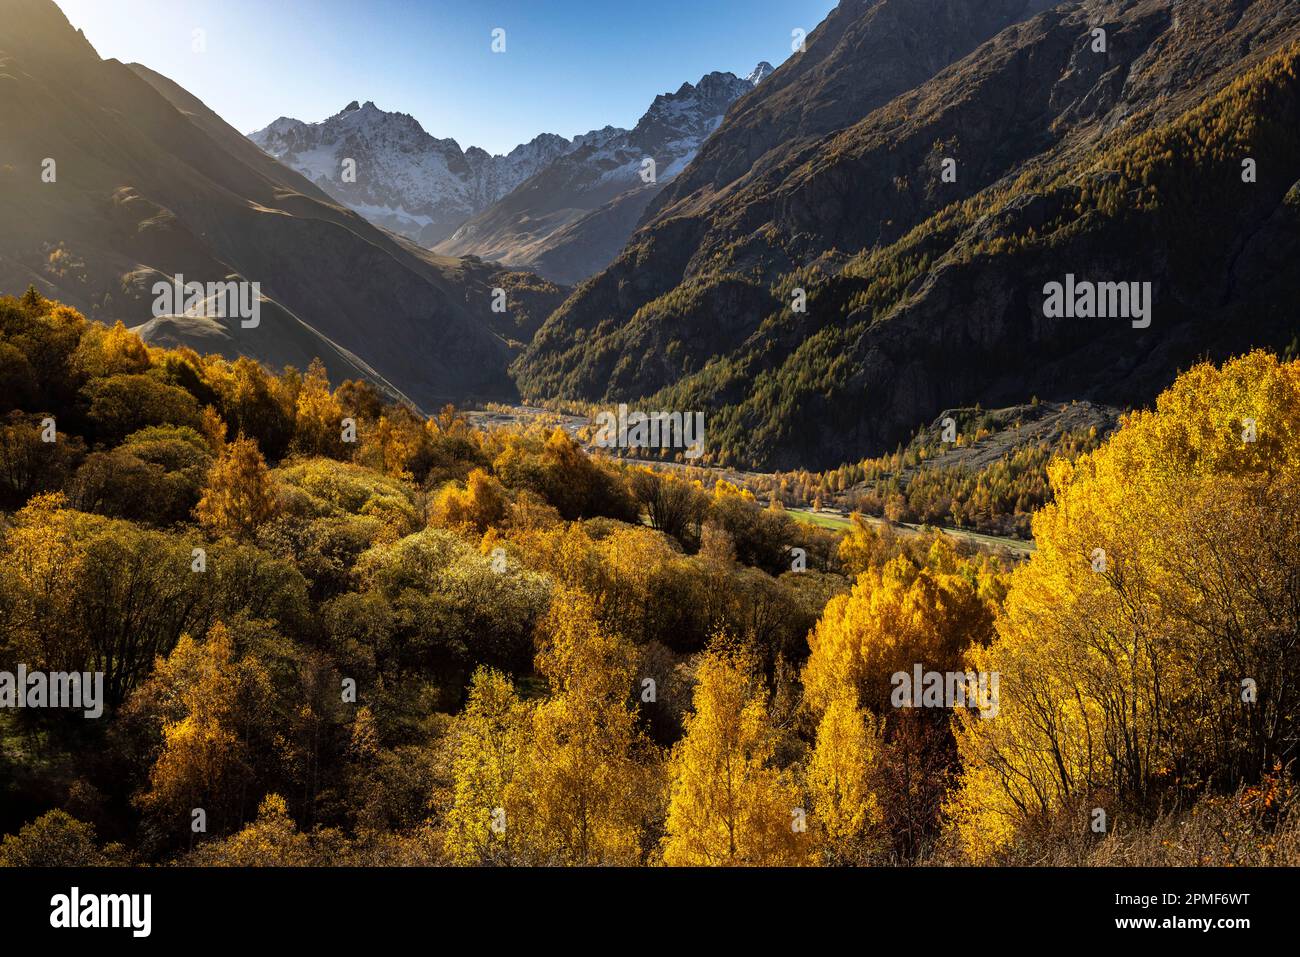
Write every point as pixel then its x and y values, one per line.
pixel 886 459
pixel 828 255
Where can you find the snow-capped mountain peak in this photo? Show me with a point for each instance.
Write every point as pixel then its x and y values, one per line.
pixel 589 199
pixel 760 73
pixel 405 178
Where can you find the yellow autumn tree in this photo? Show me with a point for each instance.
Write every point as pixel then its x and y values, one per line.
pixel 729 804
pixel 318 418
pixel 477 507
pixel 40 560
pixel 240 493
pixel 583 794
pixel 1147 648
pixel 106 351
pixel 393 446
pixel 272 840
pixel 204 761
pixel 724 490
pixel 213 429
pixel 897 616
pixel 864 546
pixel 839 779
pixel 488 741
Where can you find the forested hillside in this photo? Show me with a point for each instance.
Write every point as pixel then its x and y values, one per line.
pixel 332 631
pixel 890 263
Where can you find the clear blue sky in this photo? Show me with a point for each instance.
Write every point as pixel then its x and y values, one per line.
pixel 569 65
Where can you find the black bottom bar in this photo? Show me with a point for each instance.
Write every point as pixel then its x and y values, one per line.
pixel 916 907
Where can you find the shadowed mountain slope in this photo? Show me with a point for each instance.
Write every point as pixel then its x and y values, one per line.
pixel 926 292
pixel 145 182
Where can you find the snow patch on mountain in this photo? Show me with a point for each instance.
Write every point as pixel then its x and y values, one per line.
pixel 604 169
pixel 405 179
pixel 423 187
